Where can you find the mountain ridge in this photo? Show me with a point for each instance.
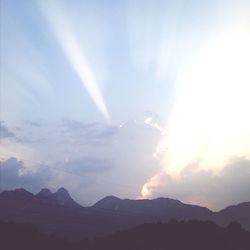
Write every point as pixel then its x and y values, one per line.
pixel 174 235
pixel 58 213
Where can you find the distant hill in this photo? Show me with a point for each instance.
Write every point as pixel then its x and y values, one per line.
pixel 57 213
pixel 54 213
pixel 61 197
pixel 240 213
pixel 195 235
pixel 161 209
pixel 15 236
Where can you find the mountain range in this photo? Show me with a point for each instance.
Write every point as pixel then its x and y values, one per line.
pixel 173 235
pixel 58 214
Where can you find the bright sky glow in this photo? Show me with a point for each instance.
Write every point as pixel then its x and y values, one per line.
pixel 210 120
pixel 127 98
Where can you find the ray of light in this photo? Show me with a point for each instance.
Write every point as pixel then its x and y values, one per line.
pixel 73 51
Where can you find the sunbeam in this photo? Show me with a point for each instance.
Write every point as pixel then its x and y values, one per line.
pixel 73 51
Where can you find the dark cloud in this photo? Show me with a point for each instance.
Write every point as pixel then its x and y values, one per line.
pixel 93 133
pixel 5 131
pixel 13 175
pixel 231 186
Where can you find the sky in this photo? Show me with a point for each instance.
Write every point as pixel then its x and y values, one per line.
pixel 137 99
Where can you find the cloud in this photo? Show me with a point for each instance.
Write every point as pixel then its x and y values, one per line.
pixel 93 133
pixel 150 121
pixel 203 187
pixel 23 135
pixel 85 165
pixel 34 123
pixel 74 174
pixel 15 175
pixel 5 132
pixel 90 159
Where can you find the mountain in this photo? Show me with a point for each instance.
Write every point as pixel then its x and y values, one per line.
pixel 57 213
pixel 61 197
pixel 173 235
pixel 239 213
pixel 195 235
pixel 18 193
pixel 26 236
pixel 45 193
pixel 160 208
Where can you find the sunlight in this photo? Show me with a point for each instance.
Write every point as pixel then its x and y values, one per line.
pixel 210 121
pixel 73 51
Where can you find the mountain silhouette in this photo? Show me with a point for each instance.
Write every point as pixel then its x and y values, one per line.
pixel 60 197
pixel 175 235
pixel 58 214
pixel 45 193
pixel 195 235
pixel 239 213
pixel 164 208
pixel 63 198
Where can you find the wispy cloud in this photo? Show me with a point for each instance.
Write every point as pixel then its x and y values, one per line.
pixel 5 132
pixel 85 165
pixel 94 133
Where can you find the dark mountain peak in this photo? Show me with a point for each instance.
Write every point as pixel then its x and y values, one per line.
pixel 17 193
pixel 161 201
pixel 62 190
pixel 111 198
pixel 167 208
pixel 63 197
pixel 244 206
pixel 45 192
pixel 139 206
pixel 21 191
pixel 108 202
pixel 166 199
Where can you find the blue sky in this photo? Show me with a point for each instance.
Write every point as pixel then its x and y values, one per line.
pixel 121 41
pixel 96 92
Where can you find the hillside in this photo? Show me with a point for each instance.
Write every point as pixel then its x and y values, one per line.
pixel 195 235
pixel 60 215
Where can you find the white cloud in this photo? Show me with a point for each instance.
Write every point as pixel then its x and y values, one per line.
pixel 203 187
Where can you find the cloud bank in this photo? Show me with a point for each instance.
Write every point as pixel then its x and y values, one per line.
pixel 203 187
